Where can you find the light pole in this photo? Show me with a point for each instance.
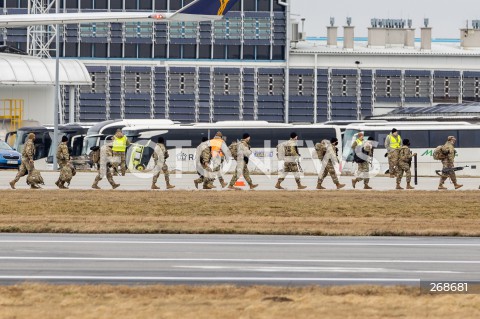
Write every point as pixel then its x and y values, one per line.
pixel 57 88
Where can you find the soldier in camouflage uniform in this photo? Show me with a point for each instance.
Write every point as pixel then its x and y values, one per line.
pixel 243 152
pixel 404 164
pixel 27 165
pixel 448 162
pixel 288 152
pixel 327 153
pixel 363 154
pixel 107 160
pixel 160 155
pixel 199 161
pixel 393 143
pixel 205 158
pixel 63 159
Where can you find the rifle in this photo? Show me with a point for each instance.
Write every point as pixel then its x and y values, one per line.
pixel 447 171
pixel 415 170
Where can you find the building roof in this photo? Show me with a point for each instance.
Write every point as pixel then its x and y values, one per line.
pixel 28 70
pixel 440 111
pixel 440 47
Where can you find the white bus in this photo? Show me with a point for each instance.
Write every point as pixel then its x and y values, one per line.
pixel 424 138
pixel 182 140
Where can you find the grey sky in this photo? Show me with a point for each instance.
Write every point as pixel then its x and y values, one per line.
pixel 446 16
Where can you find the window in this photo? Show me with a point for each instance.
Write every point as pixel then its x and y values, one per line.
pixel 278 52
pixel 145 50
pixel 219 52
pixel 189 51
pixel 161 5
pixel 115 50
pixel 250 5
pixel 71 49
pixel 205 52
pixel 249 52
pixel 438 137
pixel 100 50
pixel 130 50
pixel 101 4
pixel 160 51
pixel 146 4
pixel 87 4
pixel 86 50
pixel 263 52
pixel 234 52
pixel 116 4
pixel 418 139
pixel 469 138
pixel 263 5
pixel 175 51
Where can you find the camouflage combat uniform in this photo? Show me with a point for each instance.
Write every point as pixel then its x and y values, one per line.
pixel 291 158
pixel 199 163
pixel 63 157
pixel 217 161
pixel 27 165
pixel 448 162
pixel 393 153
pixel 327 154
pixel 160 155
pixel 106 161
pixel 404 164
pixel 363 168
pixel 243 152
pixel 208 176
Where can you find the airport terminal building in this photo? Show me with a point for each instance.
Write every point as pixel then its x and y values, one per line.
pixel 238 68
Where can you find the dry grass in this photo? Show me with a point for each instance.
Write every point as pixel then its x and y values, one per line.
pixel 51 301
pixel 259 212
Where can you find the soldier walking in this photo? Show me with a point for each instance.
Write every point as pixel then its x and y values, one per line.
pixel 243 153
pixel 327 153
pixel 393 143
pixel 106 159
pixel 219 149
pixel 27 166
pixel 363 152
pixel 63 159
pixel 404 164
pixel 288 152
pixel 199 161
pixel 448 163
pixel 160 155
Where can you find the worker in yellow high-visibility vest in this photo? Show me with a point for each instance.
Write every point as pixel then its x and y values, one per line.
pixel 120 144
pixel 393 144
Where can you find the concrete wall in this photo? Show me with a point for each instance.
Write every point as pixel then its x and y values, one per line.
pixel 38 101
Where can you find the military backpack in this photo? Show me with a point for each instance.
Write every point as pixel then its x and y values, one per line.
pixel 233 148
pixel 35 178
pixel 438 153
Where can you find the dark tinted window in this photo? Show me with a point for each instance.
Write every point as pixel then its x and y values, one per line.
pixel 87 4
pixel 249 5
pixel 129 5
pixel 278 52
pixel 116 50
pixel 205 52
pixel 145 50
pixel 161 5
pixel 160 51
pixel 440 137
pixel 314 134
pixel 146 4
pixel 101 4
pixel 189 51
pixel 86 50
pixel 219 52
pixel 175 4
pixel 70 49
pixel 116 4
pixel 100 50
pixel 263 52
pixel 264 5
pixel 175 51
pixel 234 52
pixel 418 139
pixel 130 50
pixel 469 138
pixel 249 52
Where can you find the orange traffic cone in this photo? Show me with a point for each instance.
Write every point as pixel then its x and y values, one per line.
pixel 240 182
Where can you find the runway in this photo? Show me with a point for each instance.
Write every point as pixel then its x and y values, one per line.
pixel 142 181
pixel 242 260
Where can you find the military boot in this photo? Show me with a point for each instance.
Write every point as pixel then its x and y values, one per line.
pixel 253 186
pixel 354 182
pixel 299 184
pixel 340 186
pixel 208 186
pixel 115 186
pixel 398 186
pixel 319 185
pixel 58 183
pixel 231 187
pixel 457 186
pixel 367 187
pixel 34 186
pixel 95 186
pixel 61 185
pixel 222 182
pixel 12 184
pixel 170 186
pixel 410 186
pixel 154 186
pixel 196 182
pixel 441 187
pixel 279 182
